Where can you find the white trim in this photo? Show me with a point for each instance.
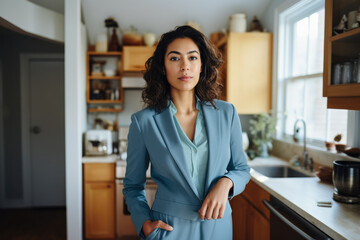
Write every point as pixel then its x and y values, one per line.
pixel 25 60
pixel 25 128
pixel 315 75
pixel 285 15
pixel 353 137
pixel 2 155
pixel 73 105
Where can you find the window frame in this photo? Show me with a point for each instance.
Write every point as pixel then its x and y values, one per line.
pixel 285 16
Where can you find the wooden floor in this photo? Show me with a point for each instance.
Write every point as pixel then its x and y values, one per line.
pixel 33 224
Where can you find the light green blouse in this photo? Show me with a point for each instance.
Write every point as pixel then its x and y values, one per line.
pixel 196 152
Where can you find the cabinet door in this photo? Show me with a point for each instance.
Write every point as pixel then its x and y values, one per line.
pixel 239 206
pixel 134 57
pixel 100 210
pixel 248 79
pixel 258 227
pixel 340 49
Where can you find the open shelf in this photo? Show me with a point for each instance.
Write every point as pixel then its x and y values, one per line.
pixel 105 110
pixel 105 77
pixel 105 53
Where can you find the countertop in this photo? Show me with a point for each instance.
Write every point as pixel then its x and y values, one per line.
pixel 120 164
pixel 101 159
pixel 341 221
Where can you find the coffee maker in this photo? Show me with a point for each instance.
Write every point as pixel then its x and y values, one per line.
pixel 98 142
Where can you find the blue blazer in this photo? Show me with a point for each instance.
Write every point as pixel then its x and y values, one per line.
pixel 153 138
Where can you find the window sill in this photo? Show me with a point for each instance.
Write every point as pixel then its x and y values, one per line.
pixel 286 148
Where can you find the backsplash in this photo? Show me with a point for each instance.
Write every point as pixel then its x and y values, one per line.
pixel 286 150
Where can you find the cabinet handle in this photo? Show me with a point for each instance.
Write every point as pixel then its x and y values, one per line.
pixel 108 186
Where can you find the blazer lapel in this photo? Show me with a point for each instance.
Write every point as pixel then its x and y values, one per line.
pixel 166 125
pixel 212 122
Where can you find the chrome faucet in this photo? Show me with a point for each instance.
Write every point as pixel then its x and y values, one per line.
pixel 305 154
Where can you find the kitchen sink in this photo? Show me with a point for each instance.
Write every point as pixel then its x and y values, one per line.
pixel 279 171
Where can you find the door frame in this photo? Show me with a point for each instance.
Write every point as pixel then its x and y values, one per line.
pixel 2 155
pixel 25 60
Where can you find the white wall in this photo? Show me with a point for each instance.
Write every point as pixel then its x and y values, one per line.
pixel 268 16
pixel 33 19
pixel 160 16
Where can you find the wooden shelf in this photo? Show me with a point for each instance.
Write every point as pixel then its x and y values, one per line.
pixel 221 42
pixel 105 53
pixel 111 82
pixel 105 110
pixel 339 49
pixel 345 34
pixel 105 77
pixel 104 101
pixel 343 103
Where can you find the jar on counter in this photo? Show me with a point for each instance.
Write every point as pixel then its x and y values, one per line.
pixel 237 22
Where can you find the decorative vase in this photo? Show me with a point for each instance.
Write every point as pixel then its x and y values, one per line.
pixel 264 152
pixel 149 39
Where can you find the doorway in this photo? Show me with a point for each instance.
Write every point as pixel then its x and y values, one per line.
pixel 43 129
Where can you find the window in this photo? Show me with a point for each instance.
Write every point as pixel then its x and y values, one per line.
pixel 300 67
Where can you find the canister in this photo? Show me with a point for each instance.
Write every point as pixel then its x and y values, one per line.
pixel 101 43
pixel 237 22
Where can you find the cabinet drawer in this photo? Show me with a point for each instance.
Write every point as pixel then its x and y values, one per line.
pixel 134 57
pixel 255 194
pixel 99 172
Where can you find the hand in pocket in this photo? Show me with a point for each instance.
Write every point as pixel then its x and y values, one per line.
pixel 149 226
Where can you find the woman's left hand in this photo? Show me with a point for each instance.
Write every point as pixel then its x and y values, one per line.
pixel 215 202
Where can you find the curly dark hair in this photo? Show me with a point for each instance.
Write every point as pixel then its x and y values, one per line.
pixel 157 91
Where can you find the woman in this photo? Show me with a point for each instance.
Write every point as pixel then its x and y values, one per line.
pixel 192 140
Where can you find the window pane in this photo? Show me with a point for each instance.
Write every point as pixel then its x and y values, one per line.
pixel 337 124
pixel 300 46
pixel 316 43
pixel 315 109
pixel 294 103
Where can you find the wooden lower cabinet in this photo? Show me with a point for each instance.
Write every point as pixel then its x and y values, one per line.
pixel 258 227
pixel 251 219
pixel 99 201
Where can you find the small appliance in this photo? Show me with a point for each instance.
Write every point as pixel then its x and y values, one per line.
pixel 346 179
pixel 98 142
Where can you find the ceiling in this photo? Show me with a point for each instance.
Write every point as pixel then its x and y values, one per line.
pixel 159 16
pixel 55 5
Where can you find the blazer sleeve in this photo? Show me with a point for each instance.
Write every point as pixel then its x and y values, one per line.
pixel 238 169
pixel 135 177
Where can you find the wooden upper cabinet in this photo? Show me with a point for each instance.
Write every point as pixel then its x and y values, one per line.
pixel 134 57
pixel 340 50
pixel 248 59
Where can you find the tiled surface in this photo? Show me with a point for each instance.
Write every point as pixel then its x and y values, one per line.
pixel 286 150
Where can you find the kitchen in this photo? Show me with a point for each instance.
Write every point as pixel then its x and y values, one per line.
pixel 78 121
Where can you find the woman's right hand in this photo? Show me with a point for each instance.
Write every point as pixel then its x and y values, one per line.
pixel 150 226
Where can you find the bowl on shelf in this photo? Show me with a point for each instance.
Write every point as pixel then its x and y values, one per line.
pixel 330 146
pixel 352 152
pixel 340 147
pixel 109 72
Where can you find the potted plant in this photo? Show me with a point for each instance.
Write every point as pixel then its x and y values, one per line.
pixel 339 147
pixel 262 127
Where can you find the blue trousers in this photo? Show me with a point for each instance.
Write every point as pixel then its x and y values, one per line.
pixel 214 229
